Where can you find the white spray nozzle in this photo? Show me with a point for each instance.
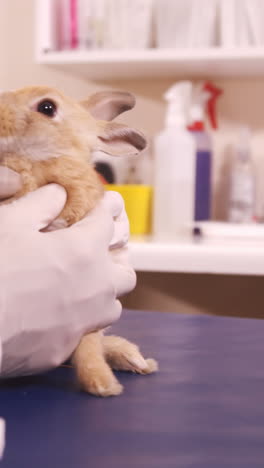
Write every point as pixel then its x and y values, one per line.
pixel 198 108
pixel 179 100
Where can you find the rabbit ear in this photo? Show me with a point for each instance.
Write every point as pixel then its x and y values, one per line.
pixel 107 105
pixel 119 140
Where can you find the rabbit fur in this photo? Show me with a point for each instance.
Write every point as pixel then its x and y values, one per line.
pixel 57 148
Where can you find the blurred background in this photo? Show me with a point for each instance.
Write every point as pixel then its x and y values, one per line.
pixel 146 47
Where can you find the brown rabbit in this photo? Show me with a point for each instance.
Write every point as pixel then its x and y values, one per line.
pixel 48 138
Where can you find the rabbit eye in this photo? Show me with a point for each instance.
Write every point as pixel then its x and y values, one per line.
pixel 47 108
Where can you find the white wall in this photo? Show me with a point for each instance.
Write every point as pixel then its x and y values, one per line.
pixel 242 104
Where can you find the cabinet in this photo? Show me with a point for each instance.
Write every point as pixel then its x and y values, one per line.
pixel 103 65
pixel 156 63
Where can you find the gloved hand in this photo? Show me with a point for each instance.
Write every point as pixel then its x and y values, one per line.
pixel 57 286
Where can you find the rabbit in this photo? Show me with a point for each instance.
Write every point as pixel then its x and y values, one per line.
pixel 49 138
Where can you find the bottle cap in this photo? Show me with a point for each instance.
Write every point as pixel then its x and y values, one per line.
pixel 179 100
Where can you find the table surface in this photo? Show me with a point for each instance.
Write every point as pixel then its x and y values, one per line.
pixel 204 409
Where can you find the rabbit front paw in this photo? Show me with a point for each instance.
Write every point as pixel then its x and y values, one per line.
pixel 121 354
pixel 101 382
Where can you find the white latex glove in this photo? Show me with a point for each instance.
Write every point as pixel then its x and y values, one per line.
pixel 57 286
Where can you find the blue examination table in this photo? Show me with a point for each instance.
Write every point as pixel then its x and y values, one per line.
pixel 203 409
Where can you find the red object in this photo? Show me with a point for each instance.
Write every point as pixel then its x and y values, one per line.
pixel 211 105
pixel 196 127
pixel 102 179
pixel 74 23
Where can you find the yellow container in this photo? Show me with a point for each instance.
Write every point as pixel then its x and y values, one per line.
pixel 138 203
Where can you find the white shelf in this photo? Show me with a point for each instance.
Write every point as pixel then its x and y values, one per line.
pixel 109 64
pixel 211 257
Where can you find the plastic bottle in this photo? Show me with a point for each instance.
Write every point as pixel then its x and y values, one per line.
pixel 174 167
pixel 257 149
pixel 205 97
pixel 242 182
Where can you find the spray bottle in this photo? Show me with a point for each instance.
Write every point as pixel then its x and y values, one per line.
pixel 242 198
pixel 204 101
pixel 174 167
